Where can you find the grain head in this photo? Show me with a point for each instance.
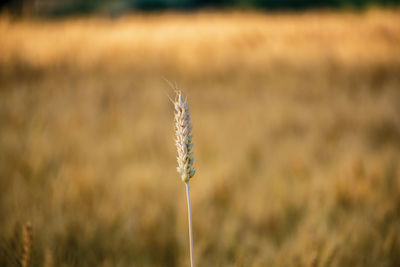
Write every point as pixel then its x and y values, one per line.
pixel 184 144
pixel 27 238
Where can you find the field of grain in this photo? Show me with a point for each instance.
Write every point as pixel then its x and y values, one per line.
pixel 296 130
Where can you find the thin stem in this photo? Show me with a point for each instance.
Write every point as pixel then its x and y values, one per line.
pixel 190 224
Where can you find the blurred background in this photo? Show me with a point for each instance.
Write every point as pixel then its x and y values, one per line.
pixel 118 7
pixel 295 109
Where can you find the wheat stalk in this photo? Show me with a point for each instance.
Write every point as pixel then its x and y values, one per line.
pixel 48 258
pixel 184 145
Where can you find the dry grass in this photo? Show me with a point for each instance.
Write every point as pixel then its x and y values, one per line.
pixel 297 131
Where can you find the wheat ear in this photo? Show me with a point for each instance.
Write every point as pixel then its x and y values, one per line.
pixel 27 238
pixel 184 145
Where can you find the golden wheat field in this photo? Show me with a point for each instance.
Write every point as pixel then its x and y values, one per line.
pixel 296 130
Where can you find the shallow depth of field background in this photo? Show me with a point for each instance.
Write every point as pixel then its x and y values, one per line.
pixel 296 126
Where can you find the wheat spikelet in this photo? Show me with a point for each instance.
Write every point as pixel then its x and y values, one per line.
pixel 27 238
pixel 184 143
